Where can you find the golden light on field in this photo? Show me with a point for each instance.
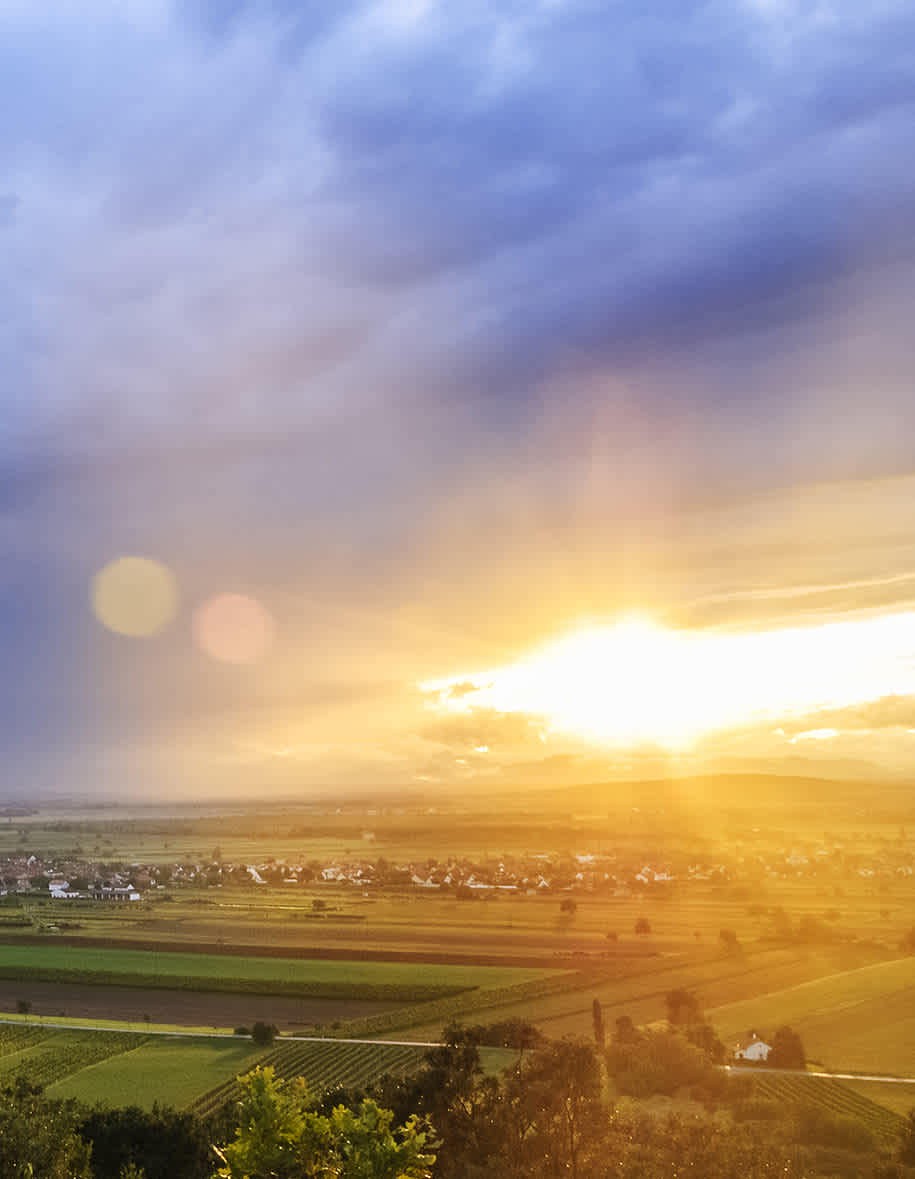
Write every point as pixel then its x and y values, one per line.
pixel 134 596
pixel 233 628
pixel 638 682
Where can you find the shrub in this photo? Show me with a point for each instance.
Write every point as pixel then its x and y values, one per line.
pixel 263 1033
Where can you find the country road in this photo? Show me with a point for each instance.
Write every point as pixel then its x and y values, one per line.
pixel 141 1029
pixel 793 1072
pixel 735 1070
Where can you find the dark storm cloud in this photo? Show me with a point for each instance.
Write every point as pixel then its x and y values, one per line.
pixel 281 280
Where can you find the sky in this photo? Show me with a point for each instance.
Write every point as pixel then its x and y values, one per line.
pixel 415 345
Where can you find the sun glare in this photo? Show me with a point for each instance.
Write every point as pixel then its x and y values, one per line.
pixel 638 682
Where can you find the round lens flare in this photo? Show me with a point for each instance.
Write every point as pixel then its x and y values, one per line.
pixel 233 628
pixel 134 596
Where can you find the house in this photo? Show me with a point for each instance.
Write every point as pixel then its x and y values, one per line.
pixel 103 892
pixel 753 1049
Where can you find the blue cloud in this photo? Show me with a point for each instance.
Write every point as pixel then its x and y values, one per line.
pixel 310 270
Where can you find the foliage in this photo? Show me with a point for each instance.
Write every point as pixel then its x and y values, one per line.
pixel 682 1006
pixel 263 1033
pixel 39 1137
pixel 280 1136
pixel 656 1062
pixel 160 1143
pixel 787 1050
pixel 597 1021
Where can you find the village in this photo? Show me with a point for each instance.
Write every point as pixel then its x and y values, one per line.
pixel 77 878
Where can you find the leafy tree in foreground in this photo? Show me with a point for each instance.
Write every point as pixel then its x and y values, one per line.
pixel 162 1143
pixel 280 1137
pixel 38 1137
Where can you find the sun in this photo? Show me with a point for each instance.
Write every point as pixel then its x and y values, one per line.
pixel 635 681
pixel 622 684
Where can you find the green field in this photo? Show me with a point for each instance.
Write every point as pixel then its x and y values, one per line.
pixel 43 1055
pixel 165 1070
pixel 860 1019
pixel 637 991
pixel 324 1066
pixel 316 978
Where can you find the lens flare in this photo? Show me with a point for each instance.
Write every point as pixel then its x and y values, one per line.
pixel 233 628
pixel 134 596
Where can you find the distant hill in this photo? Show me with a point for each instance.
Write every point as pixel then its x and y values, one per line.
pixel 727 791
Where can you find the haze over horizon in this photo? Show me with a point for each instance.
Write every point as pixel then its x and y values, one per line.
pixel 515 392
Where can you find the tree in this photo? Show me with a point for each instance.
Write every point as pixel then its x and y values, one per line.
pixel 568 906
pixel 787 1050
pixel 161 1143
pixel 728 939
pixel 280 1136
pixel 626 1032
pixel 597 1020
pixel 38 1137
pixel 682 1007
pixel 643 925
pixel 263 1033
pixel 554 1111
pixel 23 1006
pixel 706 1039
pixel 612 936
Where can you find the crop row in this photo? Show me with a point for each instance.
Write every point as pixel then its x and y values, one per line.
pixel 56 1054
pixel 832 1096
pixel 471 1001
pixel 14 1037
pixel 324 1066
pixel 302 989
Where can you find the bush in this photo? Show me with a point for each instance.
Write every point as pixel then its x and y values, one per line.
pixel 263 1033
pixel 643 925
pixel 787 1050
pixel 243 1031
pixel 657 1062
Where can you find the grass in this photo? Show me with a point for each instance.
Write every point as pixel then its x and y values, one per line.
pixel 168 1071
pixel 316 978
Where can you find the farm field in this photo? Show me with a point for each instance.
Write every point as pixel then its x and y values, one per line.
pixel 898 1098
pixel 835 1097
pixel 324 1066
pixel 640 993
pixel 164 1070
pixel 318 978
pixel 196 1009
pixel 42 1055
pixel 501 926
pixel 861 1019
